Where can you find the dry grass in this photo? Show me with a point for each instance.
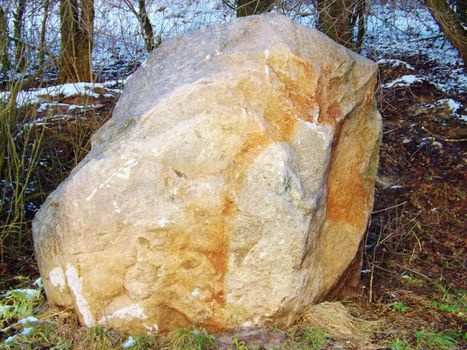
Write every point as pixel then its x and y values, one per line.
pixel 336 321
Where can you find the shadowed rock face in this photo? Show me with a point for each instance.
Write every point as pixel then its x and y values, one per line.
pixel 231 187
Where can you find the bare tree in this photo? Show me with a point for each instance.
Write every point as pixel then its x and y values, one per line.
pixel 339 18
pixel 43 32
pixel 20 53
pixel 4 41
pixel 358 21
pixel 249 7
pixel 76 28
pixel 450 23
pixel 146 26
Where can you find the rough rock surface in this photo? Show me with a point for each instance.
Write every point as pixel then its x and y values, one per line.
pixel 231 187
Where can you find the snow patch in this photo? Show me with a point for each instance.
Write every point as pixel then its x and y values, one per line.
pixel 10 339
pixel 395 63
pixel 128 343
pixel 33 96
pixel 4 309
pixel 26 331
pixel 28 293
pixel 405 80
pixel 38 283
pixel 29 319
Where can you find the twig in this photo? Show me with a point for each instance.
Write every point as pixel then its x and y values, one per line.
pixel 415 272
pixel 392 207
pixel 441 137
pixel 436 36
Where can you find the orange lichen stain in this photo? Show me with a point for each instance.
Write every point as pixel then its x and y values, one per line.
pixel 346 192
pixel 347 196
pixel 217 294
pixel 299 84
pixel 369 93
pixel 332 114
pixel 280 120
pixel 254 143
pixel 205 234
pixel 228 207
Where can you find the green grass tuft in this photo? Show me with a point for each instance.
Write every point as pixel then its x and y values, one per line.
pixel 434 340
pixel 399 344
pixel 399 306
pixel 191 339
pixel 315 338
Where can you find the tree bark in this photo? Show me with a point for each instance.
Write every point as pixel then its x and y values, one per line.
pixel 146 25
pixel 335 20
pixel 360 23
pixel 42 34
pixel 20 59
pixel 253 7
pixel 450 23
pixel 76 28
pixel 4 42
pixel 86 42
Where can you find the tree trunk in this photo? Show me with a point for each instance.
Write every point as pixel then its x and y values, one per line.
pixel 146 26
pixel 20 59
pixel 335 20
pixel 253 7
pixel 360 23
pixel 42 35
pixel 77 20
pixel 4 43
pixel 68 31
pixel 85 42
pixel 450 23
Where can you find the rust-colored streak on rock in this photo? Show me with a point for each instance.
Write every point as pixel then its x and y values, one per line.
pixel 332 113
pixel 218 253
pixel 206 235
pixel 228 208
pixel 298 91
pixel 254 143
pixel 347 194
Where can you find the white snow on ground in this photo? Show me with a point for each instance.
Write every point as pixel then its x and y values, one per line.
pixel 10 339
pixel 404 81
pixel 395 63
pixel 128 343
pixel 38 283
pixel 395 29
pixel 26 331
pixel 454 107
pixel 401 29
pixel 407 29
pixel 4 308
pixel 29 319
pixel 35 96
pixel 28 293
pixel 44 106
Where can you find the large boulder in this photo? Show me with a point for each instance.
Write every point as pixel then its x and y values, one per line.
pixel 231 187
